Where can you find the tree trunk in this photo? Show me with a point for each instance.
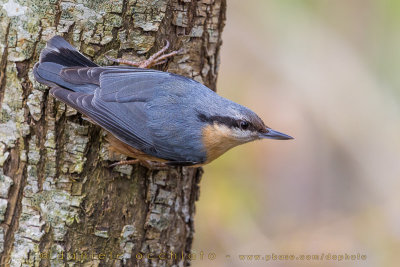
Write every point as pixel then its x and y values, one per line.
pixel 60 204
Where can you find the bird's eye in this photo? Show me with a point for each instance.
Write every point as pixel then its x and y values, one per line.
pixel 244 125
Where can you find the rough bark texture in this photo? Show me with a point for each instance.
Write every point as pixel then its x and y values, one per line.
pixel 57 195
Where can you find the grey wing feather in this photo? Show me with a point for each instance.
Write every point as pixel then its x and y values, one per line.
pixel 109 121
pixel 132 118
pixel 79 75
pixel 138 85
pixel 83 75
pixel 49 73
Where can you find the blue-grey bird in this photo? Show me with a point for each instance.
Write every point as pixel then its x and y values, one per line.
pixel 151 115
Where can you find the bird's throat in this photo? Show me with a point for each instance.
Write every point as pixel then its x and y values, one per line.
pixel 217 139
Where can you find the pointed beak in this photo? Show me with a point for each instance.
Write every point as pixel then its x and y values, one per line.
pixel 272 134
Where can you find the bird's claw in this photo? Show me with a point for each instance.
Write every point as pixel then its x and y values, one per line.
pixel 157 58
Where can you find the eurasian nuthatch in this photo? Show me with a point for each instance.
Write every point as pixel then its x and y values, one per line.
pixel 151 115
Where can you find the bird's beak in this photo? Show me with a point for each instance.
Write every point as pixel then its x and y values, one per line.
pixel 272 134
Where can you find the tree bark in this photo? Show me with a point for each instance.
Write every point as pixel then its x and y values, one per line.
pixel 60 204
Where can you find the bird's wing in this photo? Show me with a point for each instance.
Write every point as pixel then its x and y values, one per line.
pixel 119 104
pixel 112 122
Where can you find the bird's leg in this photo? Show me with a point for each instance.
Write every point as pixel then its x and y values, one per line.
pixel 156 59
pixel 123 61
pixel 153 165
pixel 124 162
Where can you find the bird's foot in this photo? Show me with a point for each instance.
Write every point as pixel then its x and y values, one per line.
pixel 156 59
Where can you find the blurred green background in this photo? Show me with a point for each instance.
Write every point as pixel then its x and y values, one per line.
pixel 327 73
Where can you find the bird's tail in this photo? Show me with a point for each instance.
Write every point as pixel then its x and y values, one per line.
pixel 59 54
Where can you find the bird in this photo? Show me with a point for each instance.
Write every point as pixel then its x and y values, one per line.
pixel 149 115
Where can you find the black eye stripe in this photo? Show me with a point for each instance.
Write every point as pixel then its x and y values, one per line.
pixel 228 121
pixel 225 120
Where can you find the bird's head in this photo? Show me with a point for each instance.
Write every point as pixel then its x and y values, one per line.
pixel 238 125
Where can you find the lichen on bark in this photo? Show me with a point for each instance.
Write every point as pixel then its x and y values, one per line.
pixel 57 194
